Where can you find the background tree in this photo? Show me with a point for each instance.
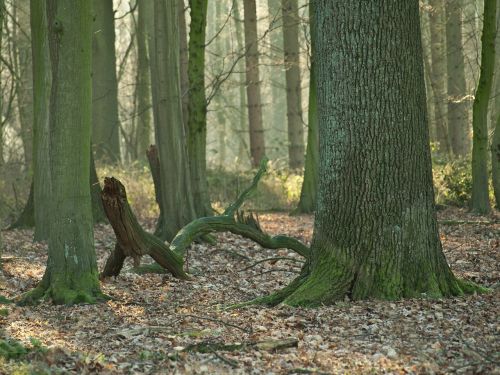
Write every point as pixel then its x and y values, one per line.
pixel 257 140
pixel 375 233
pixel 176 196
pixel 291 23
pixel 71 275
pixel 105 122
pixel 480 201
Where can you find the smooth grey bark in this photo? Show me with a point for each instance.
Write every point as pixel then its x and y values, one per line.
pixel 105 121
pixel 291 23
pixel 375 232
pixel 256 128
pixel 42 80
pixel 176 195
pixel 458 116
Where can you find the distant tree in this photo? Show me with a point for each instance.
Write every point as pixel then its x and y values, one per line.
pixel 105 122
pixel 480 201
pixel 257 140
pixel 308 193
pixel 71 275
pixel 375 233
pixel 176 196
pixel 458 114
pixel 197 108
pixel 291 50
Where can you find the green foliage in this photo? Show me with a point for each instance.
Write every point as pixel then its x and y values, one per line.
pixel 453 182
pixel 12 349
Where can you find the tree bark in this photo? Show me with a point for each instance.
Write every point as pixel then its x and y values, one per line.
pixel 458 116
pixel 197 108
pixel 71 275
pixel 480 201
pixel 257 140
pixel 184 53
pixel 375 233
pixel 176 197
pixel 495 162
pixel 105 122
pixel 291 23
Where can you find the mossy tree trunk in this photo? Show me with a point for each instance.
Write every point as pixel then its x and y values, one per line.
pixel 176 194
pixel 184 53
pixel 41 98
pixel 291 50
pixel 105 122
pixel 144 126
pixel 375 233
pixel 197 108
pixel 308 193
pixel 480 201
pixel 256 128
pixel 71 275
pixel 458 116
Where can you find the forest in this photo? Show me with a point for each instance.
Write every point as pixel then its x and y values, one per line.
pixel 249 186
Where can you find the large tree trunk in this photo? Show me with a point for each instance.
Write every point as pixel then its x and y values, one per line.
pixel 41 98
pixel 197 108
pixel 375 232
pixel 105 122
pixel 308 193
pixel 458 116
pixel 71 275
pixel 184 53
pixel 480 201
pixel 176 197
pixel 257 140
pixel 291 23
pixel 143 85
pixel 25 81
pixel 438 73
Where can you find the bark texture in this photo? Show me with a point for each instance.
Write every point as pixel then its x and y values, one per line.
pixel 71 275
pixel 256 128
pixel 458 114
pixel 480 201
pixel 375 233
pixel 291 23
pixel 197 108
pixel 105 122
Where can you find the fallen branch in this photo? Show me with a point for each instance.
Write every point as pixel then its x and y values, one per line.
pixel 268 345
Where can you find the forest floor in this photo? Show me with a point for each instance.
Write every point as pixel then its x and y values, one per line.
pixel 152 321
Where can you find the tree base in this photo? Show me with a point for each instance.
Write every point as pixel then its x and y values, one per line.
pixel 60 296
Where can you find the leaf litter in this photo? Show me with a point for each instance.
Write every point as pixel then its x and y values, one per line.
pixel 157 324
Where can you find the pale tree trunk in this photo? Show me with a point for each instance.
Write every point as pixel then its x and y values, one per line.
pixel 291 23
pixel 197 108
pixel 105 122
pixel 480 201
pixel 143 86
pixel 219 12
pixel 308 193
pixel 458 116
pixel 257 140
pixel 25 82
pixel 2 10
pixel 438 73
pixel 375 233
pixel 71 275
pixel 42 80
pixel 176 196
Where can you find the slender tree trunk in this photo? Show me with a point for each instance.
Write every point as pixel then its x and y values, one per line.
pixel 375 233
pixel 438 73
pixel 480 201
pixel 257 140
pixel 308 193
pixel 42 80
pixel 197 108
pixel 105 122
pixel 71 275
pixel 143 85
pixel 2 11
pixel 291 23
pixel 176 199
pixel 495 162
pixel 184 65
pixel 24 84
pixel 458 117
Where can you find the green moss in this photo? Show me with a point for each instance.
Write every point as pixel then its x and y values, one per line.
pixel 469 287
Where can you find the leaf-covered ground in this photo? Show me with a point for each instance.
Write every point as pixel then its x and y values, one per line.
pixel 153 320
